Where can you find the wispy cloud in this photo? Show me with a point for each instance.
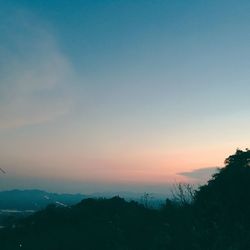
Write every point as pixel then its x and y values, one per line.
pixel 201 174
pixel 35 76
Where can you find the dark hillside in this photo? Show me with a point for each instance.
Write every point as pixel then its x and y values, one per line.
pixel 92 224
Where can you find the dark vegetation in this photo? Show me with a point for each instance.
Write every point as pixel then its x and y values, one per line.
pixel 214 217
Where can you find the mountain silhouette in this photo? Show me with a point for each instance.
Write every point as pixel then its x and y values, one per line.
pixel 35 199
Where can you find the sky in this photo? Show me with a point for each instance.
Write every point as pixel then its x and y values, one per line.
pixel 121 95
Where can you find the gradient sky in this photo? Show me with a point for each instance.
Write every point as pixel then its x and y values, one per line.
pixel 121 95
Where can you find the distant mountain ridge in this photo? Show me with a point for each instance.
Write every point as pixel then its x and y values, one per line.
pixel 36 199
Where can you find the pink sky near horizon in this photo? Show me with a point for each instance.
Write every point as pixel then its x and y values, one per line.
pixel 141 168
pixel 157 89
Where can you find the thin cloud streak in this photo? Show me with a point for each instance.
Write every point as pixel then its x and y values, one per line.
pixel 202 174
pixel 34 76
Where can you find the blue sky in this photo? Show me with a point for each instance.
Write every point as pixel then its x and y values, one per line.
pixel 121 92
